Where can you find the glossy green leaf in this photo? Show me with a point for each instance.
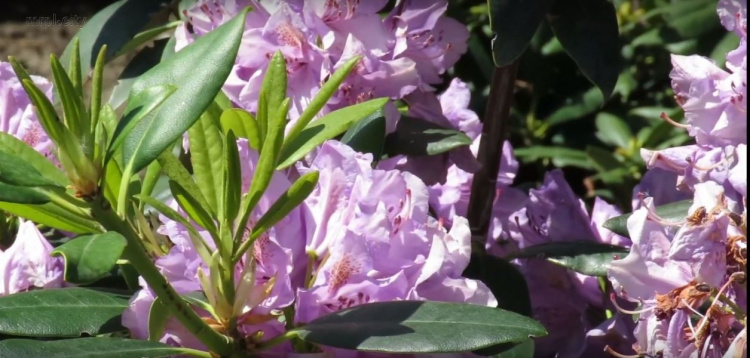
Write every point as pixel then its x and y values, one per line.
pixel 231 180
pixel 19 149
pixel 588 31
pixel 192 208
pixel 367 136
pixel 414 136
pixel 97 80
pixel 327 127
pixel 206 150
pixel 613 130
pixel 210 59
pixel 61 312
pixel 243 125
pixel 45 111
pixel 288 201
pixel 146 59
pixel 90 257
pixel 273 91
pixel 142 105
pixel 173 168
pixel 99 347
pixel 672 212
pixel 114 26
pixel 75 116
pixel 146 36
pixel 21 195
pixel 514 22
pixel 158 314
pixel 52 215
pixel 419 327
pixel 586 257
pixel 18 172
pixel 74 68
pixel 327 91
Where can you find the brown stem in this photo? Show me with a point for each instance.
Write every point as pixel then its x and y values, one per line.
pixel 494 133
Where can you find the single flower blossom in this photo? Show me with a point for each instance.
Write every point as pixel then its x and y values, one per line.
pixel 27 263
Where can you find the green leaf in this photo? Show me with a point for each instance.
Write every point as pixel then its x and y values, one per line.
pixel 613 130
pixel 140 106
pixel 231 180
pixel 602 159
pixel 192 208
pixel 560 156
pixel 75 116
pixel 173 168
pixel 113 26
pixel 576 107
pixel 18 172
pixel 367 136
pixel 99 347
pixel 22 195
pixel 146 36
pixel 272 92
pixel 45 111
pixel 327 91
pixel 52 215
pixel 146 59
pixel 96 88
pixel 419 327
pixel 195 238
pixel 206 150
pixel 210 59
pixel 588 31
pixel 414 136
pixel 523 350
pixel 158 314
pixel 586 257
pixel 242 123
pixel 327 127
pixel 61 312
pixel 288 201
pixel 514 23
pixel 672 212
pixel 91 257
pixel 19 149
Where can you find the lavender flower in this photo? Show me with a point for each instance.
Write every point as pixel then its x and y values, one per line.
pixel 27 264
pixel 17 115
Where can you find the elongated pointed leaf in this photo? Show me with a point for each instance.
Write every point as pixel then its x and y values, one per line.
pixel 73 108
pixel 209 60
pixel 290 199
pixel 327 127
pixel 22 195
pixel 158 315
pixel 61 312
pixel 19 149
pixel 243 125
pixel 52 215
pixel 367 136
pixel 195 238
pixel 91 257
pixel 113 26
pixel 588 31
pixel 273 89
pixel 232 180
pixel 419 327
pixel 414 136
pixel 191 207
pixel 99 347
pixel 206 150
pixel 586 257
pixel 18 172
pixel 327 91
pixel 672 212
pixel 514 23
pixel 45 111
pixel 173 168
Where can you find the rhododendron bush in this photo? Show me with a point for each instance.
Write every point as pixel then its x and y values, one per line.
pixel 310 178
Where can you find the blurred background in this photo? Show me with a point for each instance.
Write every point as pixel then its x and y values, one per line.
pixel 559 119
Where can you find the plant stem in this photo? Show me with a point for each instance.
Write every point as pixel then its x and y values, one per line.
pixel 286 336
pixel 494 133
pixel 136 254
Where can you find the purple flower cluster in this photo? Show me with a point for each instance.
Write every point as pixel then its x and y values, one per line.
pixel 403 53
pixel 677 269
pixel 363 235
